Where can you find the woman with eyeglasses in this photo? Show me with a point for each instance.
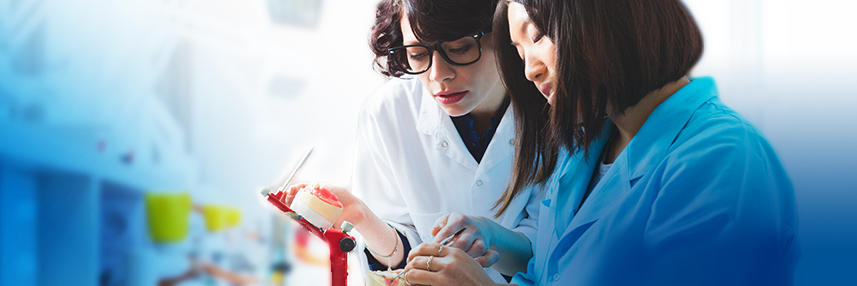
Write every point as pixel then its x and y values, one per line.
pixel 435 143
pixel 649 178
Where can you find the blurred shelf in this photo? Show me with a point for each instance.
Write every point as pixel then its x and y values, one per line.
pixel 85 151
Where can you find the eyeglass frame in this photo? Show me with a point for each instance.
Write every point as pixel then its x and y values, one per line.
pixel 437 47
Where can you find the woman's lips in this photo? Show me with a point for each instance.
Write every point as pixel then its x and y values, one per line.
pixel 450 97
pixel 547 90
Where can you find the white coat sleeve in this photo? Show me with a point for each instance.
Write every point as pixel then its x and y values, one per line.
pixel 374 177
pixel 528 225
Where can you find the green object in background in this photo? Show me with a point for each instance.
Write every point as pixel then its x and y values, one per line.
pixel 233 217
pixel 218 218
pixel 215 217
pixel 168 215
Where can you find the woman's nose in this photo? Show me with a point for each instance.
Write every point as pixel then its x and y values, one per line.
pixel 533 68
pixel 440 70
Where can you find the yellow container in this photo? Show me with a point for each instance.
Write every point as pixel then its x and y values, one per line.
pixel 218 218
pixel 215 217
pixel 233 217
pixel 168 216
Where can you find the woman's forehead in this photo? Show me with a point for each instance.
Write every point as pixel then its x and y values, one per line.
pixel 518 16
pixel 432 32
pixel 408 36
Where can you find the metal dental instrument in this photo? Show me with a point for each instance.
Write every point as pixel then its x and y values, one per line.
pixel 448 240
pixel 292 174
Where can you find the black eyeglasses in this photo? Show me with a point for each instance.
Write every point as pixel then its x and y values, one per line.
pixel 417 59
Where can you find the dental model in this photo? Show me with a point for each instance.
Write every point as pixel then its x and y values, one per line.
pixel 318 206
pixel 385 278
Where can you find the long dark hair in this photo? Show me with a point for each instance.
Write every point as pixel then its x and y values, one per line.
pixel 607 53
pixel 535 158
pixel 431 20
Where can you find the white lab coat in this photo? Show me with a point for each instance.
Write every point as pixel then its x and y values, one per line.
pixel 412 167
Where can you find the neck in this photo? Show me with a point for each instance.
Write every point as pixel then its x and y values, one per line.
pixel 489 107
pixel 629 122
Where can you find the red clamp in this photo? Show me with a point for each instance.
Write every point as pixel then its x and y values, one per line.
pixel 339 242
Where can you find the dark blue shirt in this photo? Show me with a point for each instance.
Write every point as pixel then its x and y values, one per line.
pixel 477 143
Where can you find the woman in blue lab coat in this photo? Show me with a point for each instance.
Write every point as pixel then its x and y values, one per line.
pixel 650 178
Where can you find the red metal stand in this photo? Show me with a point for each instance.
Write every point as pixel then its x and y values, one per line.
pixel 339 242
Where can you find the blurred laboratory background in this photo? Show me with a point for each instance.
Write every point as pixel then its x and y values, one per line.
pixel 112 109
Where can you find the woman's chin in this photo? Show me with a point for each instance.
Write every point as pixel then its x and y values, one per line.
pixel 456 111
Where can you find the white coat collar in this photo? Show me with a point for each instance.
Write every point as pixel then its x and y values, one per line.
pixel 431 116
pixel 435 122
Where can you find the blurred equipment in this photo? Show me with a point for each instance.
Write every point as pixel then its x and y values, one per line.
pixel 168 216
pixel 218 218
pixel 299 13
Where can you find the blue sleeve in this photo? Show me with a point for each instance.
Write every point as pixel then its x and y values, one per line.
pixel 522 278
pixel 724 215
pixel 376 265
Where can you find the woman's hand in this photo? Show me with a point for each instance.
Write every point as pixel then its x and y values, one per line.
pixel 476 240
pixel 353 209
pixel 379 236
pixel 434 264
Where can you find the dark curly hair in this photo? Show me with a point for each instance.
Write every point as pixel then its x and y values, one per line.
pixel 431 20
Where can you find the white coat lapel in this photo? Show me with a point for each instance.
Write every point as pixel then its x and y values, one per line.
pixel 501 150
pixel 435 122
pixel 428 122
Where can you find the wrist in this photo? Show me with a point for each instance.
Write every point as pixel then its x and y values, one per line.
pixel 490 230
pixel 364 218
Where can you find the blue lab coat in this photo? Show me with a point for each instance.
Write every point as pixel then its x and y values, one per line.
pixel 698 197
